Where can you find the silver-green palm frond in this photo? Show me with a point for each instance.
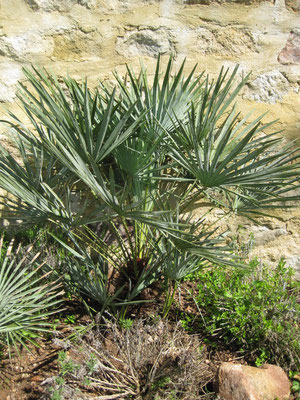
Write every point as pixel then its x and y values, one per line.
pixel 233 160
pixel 26 297
pixel 166 96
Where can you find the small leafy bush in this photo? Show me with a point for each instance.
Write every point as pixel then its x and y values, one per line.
pixel 254 309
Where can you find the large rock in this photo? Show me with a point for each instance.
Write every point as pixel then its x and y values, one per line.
pixel 240 382
pixel 149 42
pixel 234 40
pixel 268 88
pixel 26 46
pixel 290 54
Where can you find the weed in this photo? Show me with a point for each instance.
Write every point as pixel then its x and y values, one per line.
pixel 70 319
pixel 66 364
pixel 56 394
pixel 161 383
pixel 125 323
pixel 262 358
pixel 59 381
pixel 86 381
pixel 91 364
pixel 57 390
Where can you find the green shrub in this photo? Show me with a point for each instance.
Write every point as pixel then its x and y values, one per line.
pixel 255 310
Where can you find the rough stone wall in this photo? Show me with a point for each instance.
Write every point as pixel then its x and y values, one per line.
pixel 93 37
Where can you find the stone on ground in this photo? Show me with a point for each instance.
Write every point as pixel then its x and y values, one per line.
pixel 240 382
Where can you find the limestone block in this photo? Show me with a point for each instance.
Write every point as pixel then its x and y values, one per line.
pixel 59 5
pixel 49 24
pixel 145 42
pixel 26 45
pixel 269 87
pixel 240 382
pixel 263 235
pixel 236 40
pixel 206 41
pixel 77 45
pixel 185 40
pixel 11 73
pixel 290 54
pixel 213 39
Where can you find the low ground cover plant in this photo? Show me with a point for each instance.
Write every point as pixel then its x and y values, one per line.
pixel 254 310
pixel 145 361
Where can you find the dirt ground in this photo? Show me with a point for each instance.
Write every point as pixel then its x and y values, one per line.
pixel 23 377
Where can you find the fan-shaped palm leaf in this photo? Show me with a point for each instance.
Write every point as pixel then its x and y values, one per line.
pixel 26 298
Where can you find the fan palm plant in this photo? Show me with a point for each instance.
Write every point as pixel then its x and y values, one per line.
pixel 26 297
pixel 118 169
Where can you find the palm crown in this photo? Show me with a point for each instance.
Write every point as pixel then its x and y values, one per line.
pixel 118 169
